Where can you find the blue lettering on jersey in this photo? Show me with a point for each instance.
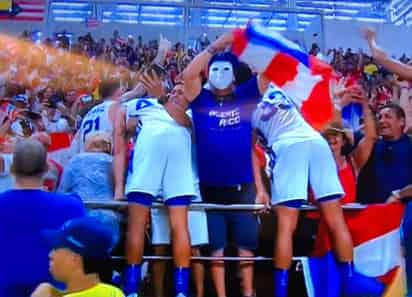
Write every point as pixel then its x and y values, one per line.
pixel 143 104
pixel 272 102
pixel 89 126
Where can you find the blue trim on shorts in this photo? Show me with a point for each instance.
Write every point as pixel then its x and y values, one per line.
pixel 179 201
pixel 330 198
pixel 296 203
pixel 144 199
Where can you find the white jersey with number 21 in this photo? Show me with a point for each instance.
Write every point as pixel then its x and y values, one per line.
pixel 97 119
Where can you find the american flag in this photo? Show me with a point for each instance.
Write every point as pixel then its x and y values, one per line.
pixel 27 11
pixel 92 23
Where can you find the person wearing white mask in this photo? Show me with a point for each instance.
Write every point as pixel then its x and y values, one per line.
pixel 222 113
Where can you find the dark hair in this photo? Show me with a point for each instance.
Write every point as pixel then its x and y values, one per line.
pixel 103 267
pixel 29 158
pixel 225 57
pixel 397 109
pixel 108 87
pixel 243 73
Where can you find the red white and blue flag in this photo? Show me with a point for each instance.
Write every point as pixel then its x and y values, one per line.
pixel 92 23
pixel 59 148
pixel 26 11
pixel 304 78
pixel 375 233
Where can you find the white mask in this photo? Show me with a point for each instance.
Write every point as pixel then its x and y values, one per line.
pixel 221 75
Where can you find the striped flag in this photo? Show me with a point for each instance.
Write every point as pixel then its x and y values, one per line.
pixel 92 23
pixel 59 148
pixel 26 11
pixel 304 78
pixel 375 233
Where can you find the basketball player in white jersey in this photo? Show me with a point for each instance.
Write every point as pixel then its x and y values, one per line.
pixel 161 163
pixel 160 227
pixel 102 116
pixel 300 156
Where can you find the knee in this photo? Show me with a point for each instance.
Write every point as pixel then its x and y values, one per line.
pixel 217 254
pixel 196 252
pixel 285 228
pixel 337 226
pixel 245 253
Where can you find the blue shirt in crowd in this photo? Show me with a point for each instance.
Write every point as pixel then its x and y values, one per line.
pixel 89 175
pixel 223 134
pixel 389 168
pixel 23 252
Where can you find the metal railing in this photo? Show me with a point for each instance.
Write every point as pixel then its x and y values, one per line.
pixel 115 205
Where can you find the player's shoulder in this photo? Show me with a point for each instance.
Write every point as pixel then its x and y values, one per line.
pixel 97 108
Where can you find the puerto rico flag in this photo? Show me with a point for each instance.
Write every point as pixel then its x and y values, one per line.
pixel 25 11
pixel 304 78
pixel 375 233
pixel 59 148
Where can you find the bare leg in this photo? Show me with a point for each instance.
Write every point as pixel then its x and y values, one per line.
pixel 180 236
pixel 181 248
pixel 341 238
pixel 287 219
pixel 159 271
pixel 137 221
pixel 217 269
pixel 198 274
pixel 246 269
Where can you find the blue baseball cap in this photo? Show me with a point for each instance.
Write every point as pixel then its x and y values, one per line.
pixel 21 98
pixel 86 236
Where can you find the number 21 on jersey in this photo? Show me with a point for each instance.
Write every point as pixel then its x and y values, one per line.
pixel 89 126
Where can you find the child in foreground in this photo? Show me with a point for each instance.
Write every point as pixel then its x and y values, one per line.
pixel 79 250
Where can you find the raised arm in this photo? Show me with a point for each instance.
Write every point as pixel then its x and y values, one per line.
pixel 192 75
pixel 355 94
pixel 364 149
pixel 119 159
pixel 403 70
pixel 164 47
pixel 136 92
pixel 262 196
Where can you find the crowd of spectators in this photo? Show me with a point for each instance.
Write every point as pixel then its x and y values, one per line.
pixel 46 88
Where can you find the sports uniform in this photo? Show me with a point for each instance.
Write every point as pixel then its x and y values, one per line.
pixel 298 154
pixel 97 119
pixel 197 220
pixel 161 161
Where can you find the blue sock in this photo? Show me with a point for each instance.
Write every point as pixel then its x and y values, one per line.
pixel 281 282
pixel 181 281
pixel 132 276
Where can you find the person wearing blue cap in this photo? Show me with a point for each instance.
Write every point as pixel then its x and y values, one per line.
pixel 222 110
pixel 25 210
pixel 80 250
pixel 21 100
